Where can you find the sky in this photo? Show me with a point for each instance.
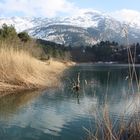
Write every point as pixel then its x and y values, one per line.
pixel 52 8
pixel 108 5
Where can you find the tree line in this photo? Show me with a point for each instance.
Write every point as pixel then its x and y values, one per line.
pixel 106 51
pixel 38 48
pixel 42 49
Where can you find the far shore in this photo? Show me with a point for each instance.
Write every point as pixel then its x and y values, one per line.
pixel 111 63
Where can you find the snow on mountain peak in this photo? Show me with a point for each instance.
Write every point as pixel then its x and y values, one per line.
pixel 19 23
pixel 131 17
pixel 86 26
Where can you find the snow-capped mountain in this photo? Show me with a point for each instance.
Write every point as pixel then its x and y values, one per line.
pixel 85 29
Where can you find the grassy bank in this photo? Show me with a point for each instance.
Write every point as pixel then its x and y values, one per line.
pixel 19 71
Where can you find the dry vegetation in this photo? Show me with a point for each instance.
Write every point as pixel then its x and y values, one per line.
pixel 125 126
pixel 120 129
pixel 105 127
pixel 19 70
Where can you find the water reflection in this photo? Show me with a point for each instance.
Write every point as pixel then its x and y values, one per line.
pixel 60 113
pixel 127 106
pixel 11 103
pixel 48 113
pixel 110 86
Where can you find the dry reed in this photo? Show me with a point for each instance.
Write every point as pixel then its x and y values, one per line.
pixel 108 129
pixel 20 70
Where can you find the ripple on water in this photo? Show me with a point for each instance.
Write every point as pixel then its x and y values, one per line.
pixel 61 114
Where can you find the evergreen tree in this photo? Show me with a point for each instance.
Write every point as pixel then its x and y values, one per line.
pixel 24 36
pixel 8 33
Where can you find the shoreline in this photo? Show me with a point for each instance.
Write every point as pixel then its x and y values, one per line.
pixel 55 69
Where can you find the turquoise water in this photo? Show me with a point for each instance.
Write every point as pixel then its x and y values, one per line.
pixel 61 113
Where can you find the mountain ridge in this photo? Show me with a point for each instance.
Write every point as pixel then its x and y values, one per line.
pixel 88 28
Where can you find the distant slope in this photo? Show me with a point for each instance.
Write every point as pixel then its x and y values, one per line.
pixel 85 29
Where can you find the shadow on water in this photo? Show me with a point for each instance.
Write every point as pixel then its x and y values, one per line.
pixel 11 103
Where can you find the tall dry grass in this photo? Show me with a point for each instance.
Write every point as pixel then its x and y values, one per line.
pixel 20 70
pixel 105 127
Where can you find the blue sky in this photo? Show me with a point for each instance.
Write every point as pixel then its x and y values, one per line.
pixel 108 5
pixel 52 8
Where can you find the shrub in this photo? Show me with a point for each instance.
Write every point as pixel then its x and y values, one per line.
pixel 23 36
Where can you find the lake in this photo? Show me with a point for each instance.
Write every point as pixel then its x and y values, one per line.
pixel 63 114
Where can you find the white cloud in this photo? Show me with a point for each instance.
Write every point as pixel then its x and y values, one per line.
pixel 48 8
pixel 87 10
pixel 52 8
pixel 127 15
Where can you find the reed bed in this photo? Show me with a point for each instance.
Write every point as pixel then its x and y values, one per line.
pixel 19 70
pixel 107 128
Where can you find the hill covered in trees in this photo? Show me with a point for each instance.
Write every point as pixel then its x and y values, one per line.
pixel 38 48
pixel 104 51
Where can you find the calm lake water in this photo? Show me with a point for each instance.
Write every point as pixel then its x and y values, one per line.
pixel 60 114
